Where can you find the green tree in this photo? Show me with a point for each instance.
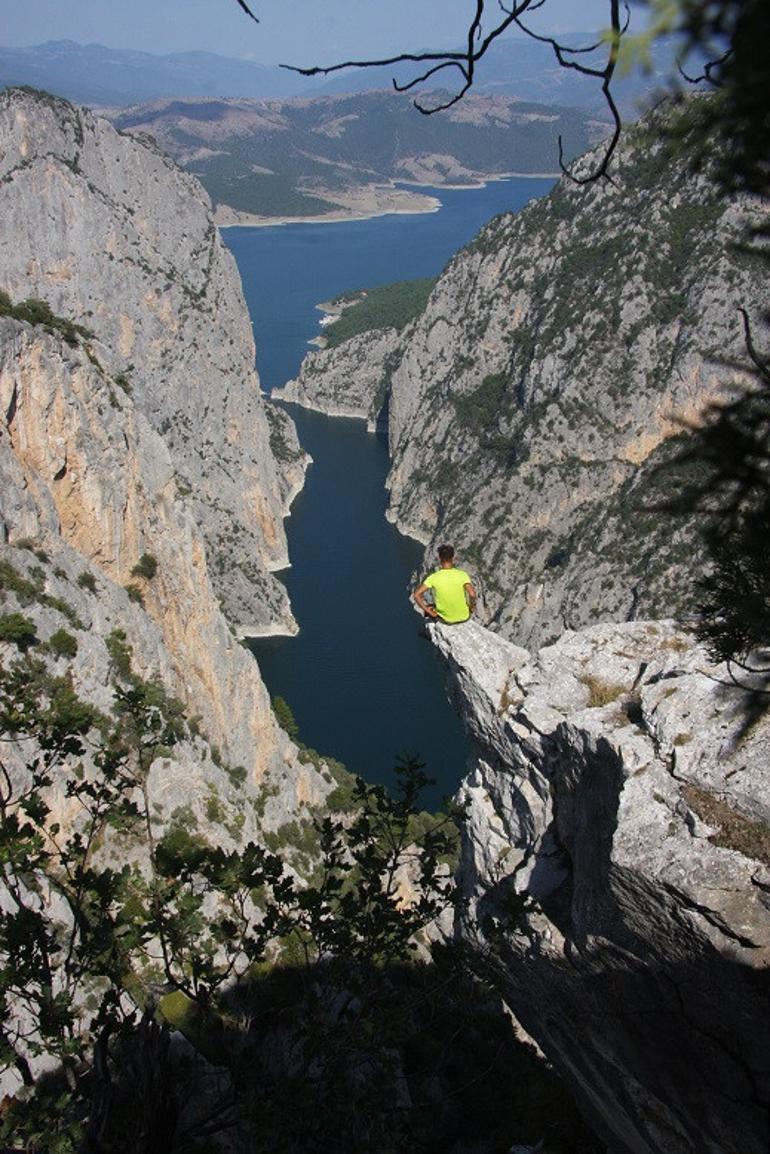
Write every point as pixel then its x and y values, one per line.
pixel 85 941
pixel 146 566
pixel 17 628
pixel 285 717
pixel 62 644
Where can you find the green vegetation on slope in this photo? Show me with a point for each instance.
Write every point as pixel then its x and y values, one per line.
pixel 318 1014
pixel 37 312
pixel 390 306
pixel 267 194
pixel 284 157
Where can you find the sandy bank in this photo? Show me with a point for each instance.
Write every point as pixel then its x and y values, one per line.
pixel 356 204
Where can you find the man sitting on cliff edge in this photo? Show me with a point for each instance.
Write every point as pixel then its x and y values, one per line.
pixel 453 592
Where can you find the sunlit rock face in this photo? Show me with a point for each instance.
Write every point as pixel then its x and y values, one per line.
pixel 115 237
pixel 615 862
pixel 349 380
pixel 144 434
pixel 139 493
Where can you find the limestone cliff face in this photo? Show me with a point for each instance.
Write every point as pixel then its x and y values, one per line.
pixel 84 474
pixel 616 865
pixel 149 436
pixel 350 380
pixel 115 237
pixel 554 368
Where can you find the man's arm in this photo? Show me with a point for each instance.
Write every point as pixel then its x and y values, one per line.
pixel 423 604
pixel 470 596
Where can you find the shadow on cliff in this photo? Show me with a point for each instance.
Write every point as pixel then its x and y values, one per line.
pixel 662 1036
pixel 336 1060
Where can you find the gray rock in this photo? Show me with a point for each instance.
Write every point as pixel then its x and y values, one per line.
pixel 115 237
pixel 87 487
pixel 629 935
pixel 349 380
pixel 83 468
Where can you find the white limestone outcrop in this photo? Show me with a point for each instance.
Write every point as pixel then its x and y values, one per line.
pixel 616 865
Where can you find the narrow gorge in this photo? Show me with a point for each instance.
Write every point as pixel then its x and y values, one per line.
pixel 613 859
pixel 551 378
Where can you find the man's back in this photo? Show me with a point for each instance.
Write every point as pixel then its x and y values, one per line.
pixel 448 587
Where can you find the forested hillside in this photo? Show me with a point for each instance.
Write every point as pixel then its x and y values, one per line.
pixel 306 157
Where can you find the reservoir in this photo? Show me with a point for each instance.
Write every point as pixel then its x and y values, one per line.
pixel 363 685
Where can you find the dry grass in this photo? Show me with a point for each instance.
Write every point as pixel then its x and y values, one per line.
pixel 675 645
pixel 601 692
pixel 506 701
pixel 751 838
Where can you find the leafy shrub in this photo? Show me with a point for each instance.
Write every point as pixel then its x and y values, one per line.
pixel 87 581
pixel 28 543
pixel 146 566
pixel 11 580
pixel 63 607
pixel 344 798
pixel 120 653
pixel 357 1002
pixel 134 593
pixel 39 313
pixel 236 773
pixel 285 717
pixel 62 644
pixel 17 628
pixel 480 409
pixel 122 381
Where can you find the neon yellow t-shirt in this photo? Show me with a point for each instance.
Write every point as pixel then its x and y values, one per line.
pixel 448 586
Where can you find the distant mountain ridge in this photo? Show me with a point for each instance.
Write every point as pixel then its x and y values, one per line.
pixel 98 76
pixel 95 75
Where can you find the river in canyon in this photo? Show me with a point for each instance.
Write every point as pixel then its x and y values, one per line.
pixel 363 685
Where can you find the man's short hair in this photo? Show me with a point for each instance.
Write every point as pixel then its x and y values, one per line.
pixel 446 553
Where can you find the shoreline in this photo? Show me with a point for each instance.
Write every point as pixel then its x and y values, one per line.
pixel 346 216
pixel 317 408
pixel 482 182
pixel 261 632
pixel 340 217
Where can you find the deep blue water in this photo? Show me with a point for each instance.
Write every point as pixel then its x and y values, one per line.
pixel 363 685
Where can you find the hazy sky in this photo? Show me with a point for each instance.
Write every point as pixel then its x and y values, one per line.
pixel 290 31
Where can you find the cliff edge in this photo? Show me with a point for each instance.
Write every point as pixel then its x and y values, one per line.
pixel 616 861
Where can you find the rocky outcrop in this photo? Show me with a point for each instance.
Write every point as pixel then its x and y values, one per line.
pixel 551 376
pixel 116 238
pixel 348 380
pixel 616 863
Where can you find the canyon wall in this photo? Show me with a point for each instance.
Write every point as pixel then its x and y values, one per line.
pixel 537 405
pixel 140 432
pixel 113 236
